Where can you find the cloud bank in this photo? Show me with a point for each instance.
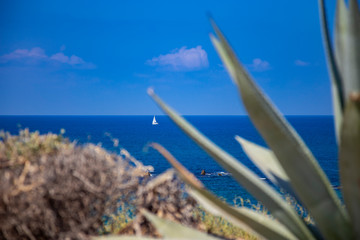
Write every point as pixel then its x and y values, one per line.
pixel 182 59
pixel 259 65
pixel 37 55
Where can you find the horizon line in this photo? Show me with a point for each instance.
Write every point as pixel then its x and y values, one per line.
pixel 119 115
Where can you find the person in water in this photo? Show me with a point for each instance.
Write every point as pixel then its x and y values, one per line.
pixel 203 172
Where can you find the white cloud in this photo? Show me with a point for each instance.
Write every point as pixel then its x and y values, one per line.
pixel 74 60
pixel 259 65
pixel 182 59
pixel 301 63
pixel 36 55
pixel 60 57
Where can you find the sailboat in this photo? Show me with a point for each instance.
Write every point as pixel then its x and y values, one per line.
pixel 154 122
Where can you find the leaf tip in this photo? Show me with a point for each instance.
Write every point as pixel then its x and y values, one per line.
pixel 212 37
pixel 147 214
pixel 150 91
pixel 241 140
pixel 213 24
pixel 184 173
pixel 215 41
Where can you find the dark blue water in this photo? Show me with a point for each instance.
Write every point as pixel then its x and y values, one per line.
pixel 135 132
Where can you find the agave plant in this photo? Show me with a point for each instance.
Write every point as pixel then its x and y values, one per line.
pixel 289 164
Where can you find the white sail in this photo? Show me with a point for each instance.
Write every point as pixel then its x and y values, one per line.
pixel 154 122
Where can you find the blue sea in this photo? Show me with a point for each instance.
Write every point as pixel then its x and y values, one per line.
pixel 135 132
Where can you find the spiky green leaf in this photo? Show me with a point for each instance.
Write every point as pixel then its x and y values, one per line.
pixel 117 237
pixel 349 158
pixel 124 237
pixel 335 76
pixel 266 161
pixel 258 188
pixel 347 38
pixel 306 176
pixel 174 230
pixel 242 217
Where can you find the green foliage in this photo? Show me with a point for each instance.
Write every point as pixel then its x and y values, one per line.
pixel 209 223
pixel 350 159
pixel 307 179
pixel 174 230
pixel 221 227
pixel 118 220
pixel 290 164
pixel 30 145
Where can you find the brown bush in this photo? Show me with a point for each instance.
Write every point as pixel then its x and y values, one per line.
pixel 165 197
pixel 51 188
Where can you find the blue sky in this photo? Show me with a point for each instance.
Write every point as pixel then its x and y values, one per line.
pixel 98 58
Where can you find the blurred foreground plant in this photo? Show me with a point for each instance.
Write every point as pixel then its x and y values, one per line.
pixel 289 164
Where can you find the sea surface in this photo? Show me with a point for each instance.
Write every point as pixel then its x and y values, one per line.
pixel 136 132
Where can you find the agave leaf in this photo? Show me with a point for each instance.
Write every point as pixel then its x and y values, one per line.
pixel 347 38
pixel 307 178
pixel 262 191
pixel 335 76
pixel 349 159
pixel 341 29
pixel 242 217
pixel 173 230
pixel 124 237
pixel 266 161
pixel 117 237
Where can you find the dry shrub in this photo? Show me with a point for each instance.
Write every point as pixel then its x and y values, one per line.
pixel 165 197
pixel 53 189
